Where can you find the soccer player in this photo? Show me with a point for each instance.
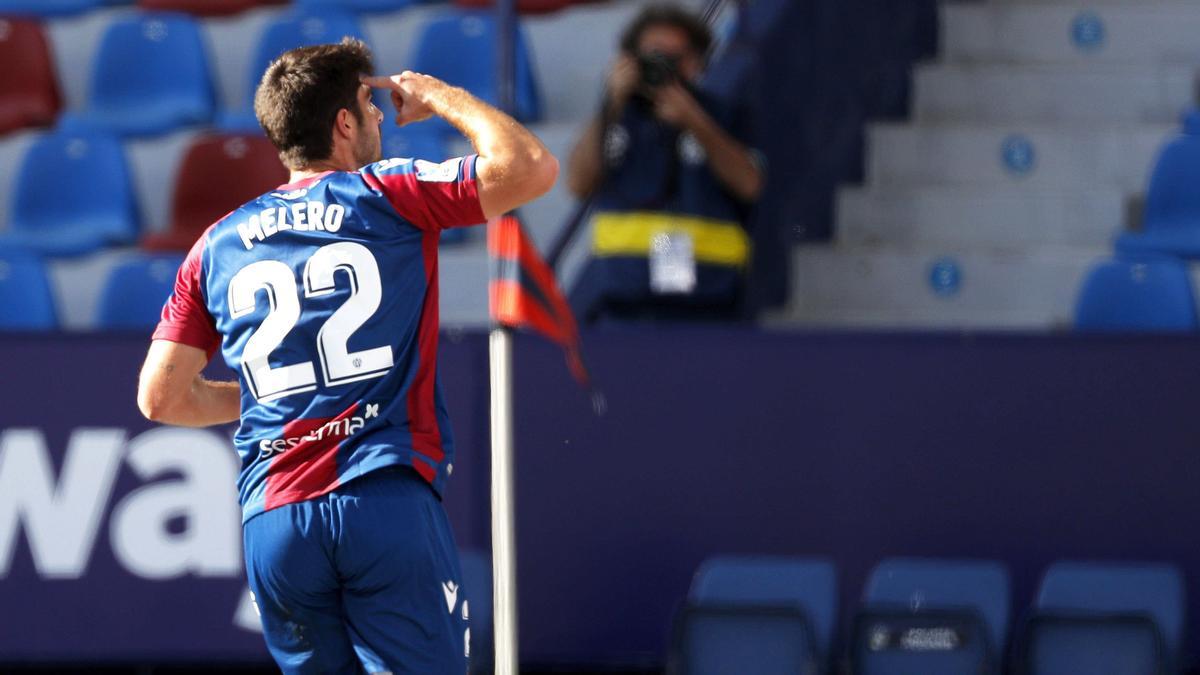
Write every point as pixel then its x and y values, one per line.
pixel 323 295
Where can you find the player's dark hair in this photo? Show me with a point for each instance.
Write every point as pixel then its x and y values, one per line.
pixel 699 36
pixel 301 92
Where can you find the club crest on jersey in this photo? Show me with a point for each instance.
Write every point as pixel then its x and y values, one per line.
pixel 300 216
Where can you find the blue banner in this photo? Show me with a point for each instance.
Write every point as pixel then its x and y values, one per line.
pixel 120 540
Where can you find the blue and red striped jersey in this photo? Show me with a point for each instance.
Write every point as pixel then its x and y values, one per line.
pixel 323 296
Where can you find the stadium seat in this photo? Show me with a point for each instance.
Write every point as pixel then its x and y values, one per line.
pixel 1171 222
pixel 758 615
pixel 1141 294
pixel 205 7
pixel 29 89
pixel 135 291
pixel 25 293
pixel 523 6
pixel 297 28
pixel 421 141
pixel 452 47
pixel 477 583
pixel 218 174
pixel 413 140
pixel 933 617
pixel 52 215
pixel 1117 619
pixel 150 76
pixel 48 7
pixel 357 5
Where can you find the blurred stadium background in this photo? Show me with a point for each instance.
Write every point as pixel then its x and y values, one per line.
pixel 958 436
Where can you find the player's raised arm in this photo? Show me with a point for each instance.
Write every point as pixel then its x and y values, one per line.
pixel 513 168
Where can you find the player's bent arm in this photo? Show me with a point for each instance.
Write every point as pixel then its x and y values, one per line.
pixel 513 167
pixel 172 391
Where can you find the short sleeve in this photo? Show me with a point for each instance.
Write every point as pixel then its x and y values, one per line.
pixel 185 317
pixel 432 196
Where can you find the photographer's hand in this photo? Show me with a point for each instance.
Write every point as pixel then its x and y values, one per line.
pixel 675 106
pixel 585 169
pixel 622 81
pixel 729 160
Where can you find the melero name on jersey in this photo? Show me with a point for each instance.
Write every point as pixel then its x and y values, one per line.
pixel 299 216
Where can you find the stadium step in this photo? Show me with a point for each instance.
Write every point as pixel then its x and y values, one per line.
pixel 1065 94
pixel 581 38
pixel 1042 156
pixel 999 218
pixel 1100 3
pixel 897 287
pixel 463 283
pixel 1064 32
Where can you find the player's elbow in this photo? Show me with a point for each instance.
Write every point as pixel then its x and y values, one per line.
pixel 542 173
pixel 155 404
pixel 511 181
pixel 152 408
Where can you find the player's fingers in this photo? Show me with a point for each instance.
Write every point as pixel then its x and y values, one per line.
pixel 380 82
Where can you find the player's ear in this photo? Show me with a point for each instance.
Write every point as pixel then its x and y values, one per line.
pixel 343 125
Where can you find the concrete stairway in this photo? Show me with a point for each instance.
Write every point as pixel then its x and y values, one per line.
pixel 1040 119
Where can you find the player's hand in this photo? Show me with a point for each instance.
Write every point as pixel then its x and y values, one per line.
pixel 410 94
pixel 674 105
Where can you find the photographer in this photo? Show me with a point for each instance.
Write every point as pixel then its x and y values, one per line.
pixel 672 180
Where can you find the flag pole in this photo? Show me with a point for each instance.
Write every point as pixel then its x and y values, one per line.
pixel 504 544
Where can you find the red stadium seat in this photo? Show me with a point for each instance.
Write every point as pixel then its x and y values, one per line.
pixel 218 174
pixel 28 86
pixel 205 7
pixel 524 6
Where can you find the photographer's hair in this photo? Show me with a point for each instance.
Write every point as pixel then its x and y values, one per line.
pixel 699 36
pixel 300 94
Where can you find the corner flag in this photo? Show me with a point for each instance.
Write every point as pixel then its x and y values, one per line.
pixel 524 294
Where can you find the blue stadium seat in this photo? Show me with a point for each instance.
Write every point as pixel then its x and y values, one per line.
pixel 1142 294
pixel 150 76
pixel 135 291
pixel 358 5
pixel 933 617
pixel 1171 223
pixel 413 140
pixel 25 294
pixel 49 7
pixel 759 615
pixel 477 584
pixel 52 215
pixel 1116 619
pixel 297 28
pixel 460 48
pixel 421 141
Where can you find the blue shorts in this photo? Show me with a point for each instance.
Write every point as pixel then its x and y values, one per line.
pixel 363 579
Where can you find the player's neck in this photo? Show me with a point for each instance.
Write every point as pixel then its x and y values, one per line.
pixel 338 161
pixel 298 175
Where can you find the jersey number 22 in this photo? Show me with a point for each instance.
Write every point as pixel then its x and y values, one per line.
pixel 338 364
